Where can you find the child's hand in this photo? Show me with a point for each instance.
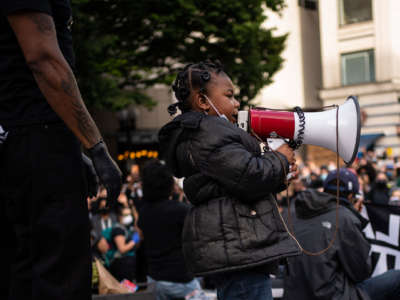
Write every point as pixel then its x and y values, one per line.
pixel 294 172
pixel 288 152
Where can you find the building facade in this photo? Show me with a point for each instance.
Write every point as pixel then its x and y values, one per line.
pixel 360 53
pixel 339 48
pixel 299 80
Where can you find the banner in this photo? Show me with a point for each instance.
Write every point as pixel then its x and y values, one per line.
pixel 383 232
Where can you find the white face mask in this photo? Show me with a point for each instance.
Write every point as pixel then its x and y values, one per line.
pixel 139 193
pixel 126 220
pixel 216 110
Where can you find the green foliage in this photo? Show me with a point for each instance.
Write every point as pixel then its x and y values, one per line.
pixel 135 44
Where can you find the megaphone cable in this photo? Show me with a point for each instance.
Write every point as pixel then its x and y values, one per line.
pixel 291 232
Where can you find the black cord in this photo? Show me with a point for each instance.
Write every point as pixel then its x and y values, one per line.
pixel 295 144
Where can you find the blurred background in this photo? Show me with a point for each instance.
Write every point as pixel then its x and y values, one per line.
pixel 280 54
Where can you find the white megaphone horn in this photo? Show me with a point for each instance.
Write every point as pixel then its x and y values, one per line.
pixel 311 128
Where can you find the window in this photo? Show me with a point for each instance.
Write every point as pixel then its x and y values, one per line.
pixel 358 67
pixel 308 4
pixel 354 11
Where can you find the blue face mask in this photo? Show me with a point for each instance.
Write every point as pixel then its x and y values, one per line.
pixel 216 110
pixel 323 176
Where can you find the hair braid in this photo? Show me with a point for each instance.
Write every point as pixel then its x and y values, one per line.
pixel 192 76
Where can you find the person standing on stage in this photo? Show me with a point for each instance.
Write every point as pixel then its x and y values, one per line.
pixel 43 186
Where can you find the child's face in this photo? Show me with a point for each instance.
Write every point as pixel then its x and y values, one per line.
pixel 220 92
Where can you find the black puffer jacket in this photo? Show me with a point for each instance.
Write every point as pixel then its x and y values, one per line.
pixel 334 274
pixel 234 223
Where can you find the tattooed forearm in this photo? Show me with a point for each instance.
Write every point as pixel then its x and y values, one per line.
pixel 84 122
pixel 37 37
pixel 43 22
pixel 69 85
pixel 58 84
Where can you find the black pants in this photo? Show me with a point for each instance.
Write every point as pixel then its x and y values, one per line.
pixel 124 268
pixel 45 249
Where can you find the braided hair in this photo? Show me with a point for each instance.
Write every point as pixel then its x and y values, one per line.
pixel 191 77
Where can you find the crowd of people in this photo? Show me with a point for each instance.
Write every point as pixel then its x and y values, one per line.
pixel 141 238
pixel 378 175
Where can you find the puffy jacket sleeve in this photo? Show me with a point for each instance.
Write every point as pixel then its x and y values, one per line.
pixel 354 250
pixel 241 172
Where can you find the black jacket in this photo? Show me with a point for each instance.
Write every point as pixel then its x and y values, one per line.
pixel 334 274
pixel 234 223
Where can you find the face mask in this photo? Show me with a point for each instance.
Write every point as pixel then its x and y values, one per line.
pixel 216 110
pixel 323 176
pixel 394 199
pixel 139 193
pixel 103 211
pixel 126 220
pixel 381 183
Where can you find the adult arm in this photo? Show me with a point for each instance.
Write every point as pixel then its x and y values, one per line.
pixel 122 245
pixel 37 38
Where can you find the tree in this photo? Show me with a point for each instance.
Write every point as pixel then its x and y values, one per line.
pixel 123 47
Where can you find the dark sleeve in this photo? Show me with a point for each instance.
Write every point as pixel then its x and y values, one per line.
pixel 117 231
pixel 239 171
pixel 353 249
pixel 10 6
pixel 182 211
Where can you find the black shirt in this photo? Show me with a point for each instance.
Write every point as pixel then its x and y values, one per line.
pixel 162 224
pixel 21 101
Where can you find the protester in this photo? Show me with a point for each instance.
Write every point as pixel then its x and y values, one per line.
pixel 43 211
pixel 343 270
pixel 161 221
pixel 104 218
pixel 178 194
pixel 395 197
pixel 379 193
pixel 124 240
pixel 234 230
pixel 132 187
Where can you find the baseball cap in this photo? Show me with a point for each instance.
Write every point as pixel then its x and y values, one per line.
pixel 348 181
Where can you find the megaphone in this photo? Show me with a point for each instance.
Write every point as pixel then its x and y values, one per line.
pixel 334 128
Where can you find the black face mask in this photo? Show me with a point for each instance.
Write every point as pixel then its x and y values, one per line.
pixel 103 211
pixel 381 184
pixel 94 207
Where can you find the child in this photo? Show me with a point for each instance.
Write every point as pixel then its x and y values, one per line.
pixel 234 230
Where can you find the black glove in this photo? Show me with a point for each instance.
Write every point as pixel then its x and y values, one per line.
pixel 108 172
pixel 91 176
